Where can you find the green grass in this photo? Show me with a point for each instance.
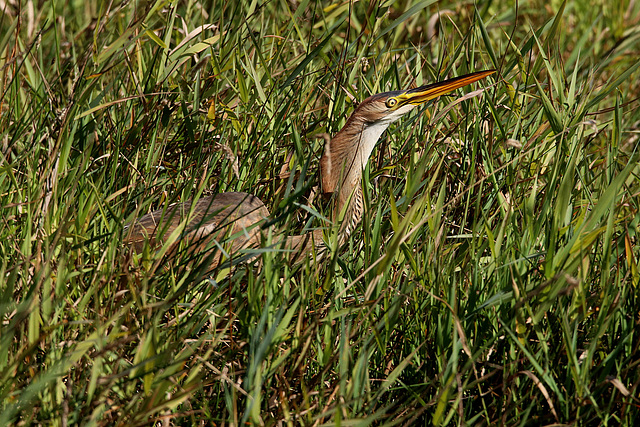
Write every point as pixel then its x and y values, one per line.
pixel 494 278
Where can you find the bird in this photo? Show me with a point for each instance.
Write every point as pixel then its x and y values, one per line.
pixel 225 224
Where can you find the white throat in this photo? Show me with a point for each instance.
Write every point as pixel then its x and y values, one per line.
pixel 372 133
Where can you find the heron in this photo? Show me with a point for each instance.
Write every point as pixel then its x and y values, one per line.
pixel 233 221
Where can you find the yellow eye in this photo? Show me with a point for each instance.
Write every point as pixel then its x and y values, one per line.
pixel 391 102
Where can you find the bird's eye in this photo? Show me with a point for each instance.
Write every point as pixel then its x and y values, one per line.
pixel 391 102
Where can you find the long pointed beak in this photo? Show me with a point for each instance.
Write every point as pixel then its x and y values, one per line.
pixel 426 93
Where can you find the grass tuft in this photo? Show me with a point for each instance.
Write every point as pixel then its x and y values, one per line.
pixel 493 280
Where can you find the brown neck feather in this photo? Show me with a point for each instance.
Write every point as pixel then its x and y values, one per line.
pixel 343 161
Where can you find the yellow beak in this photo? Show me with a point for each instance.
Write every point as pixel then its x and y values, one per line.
pixel 426 93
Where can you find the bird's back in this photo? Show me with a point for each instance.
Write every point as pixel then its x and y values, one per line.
pixel 231 219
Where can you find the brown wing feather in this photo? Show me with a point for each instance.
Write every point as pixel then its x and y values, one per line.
pixel 214 218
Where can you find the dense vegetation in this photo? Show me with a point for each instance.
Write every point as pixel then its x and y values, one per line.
pixel 493 280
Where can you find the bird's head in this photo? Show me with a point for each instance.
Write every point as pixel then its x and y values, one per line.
pixel 348 151
pixel 388 107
